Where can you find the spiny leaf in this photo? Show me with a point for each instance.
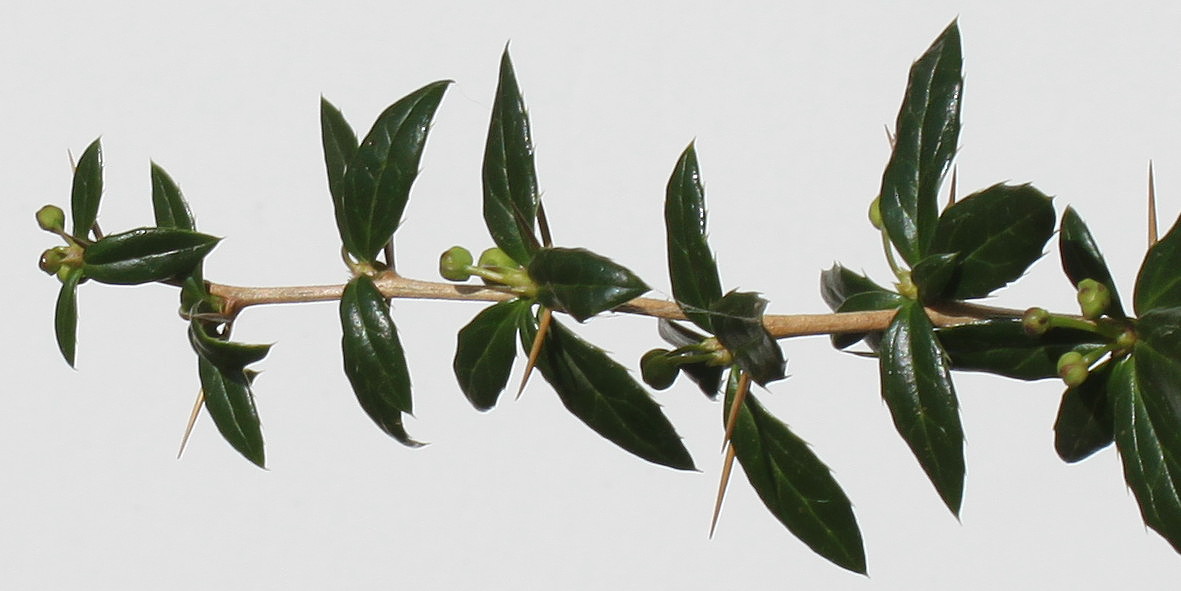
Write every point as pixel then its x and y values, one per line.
pixel 738 319
pixel 145 255
pixel 925 139
pixel 340 145
pixel 840 286
pixel 65 316
pixel 485 352
pixel 168 204
pixel 88 189
pixel 510 178
pixel 227 356
pixel 604 396
pixel 582 283
pixel 1085 422
pixel 1081 258
pixel 373 358
pixel 691 267
pixel 1002 347
pixel 916 384
pixel 230 403
pixel 1159 284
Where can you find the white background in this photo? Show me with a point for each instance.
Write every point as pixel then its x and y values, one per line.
pixel 787 104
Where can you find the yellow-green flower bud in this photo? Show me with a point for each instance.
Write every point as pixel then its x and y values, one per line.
pixel 658 370
pixel 875 213
pixel 455 264
pixel 52 259
pixel 1093 298
pixel 1035 321
pixel 1072 368
pixel 51 218
pixel 496 258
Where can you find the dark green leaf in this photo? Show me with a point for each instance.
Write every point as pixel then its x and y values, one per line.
pixel 1159 284
pixel 145 255
pixel 738 321
pixel 582 283
pixel 1148 436
pixel 691 265
pixel 88 189
pixel 795 485
pixel 707 377
pixel 65 316
pixel 866 301
pixel 340 145
pixel 935 275
pixel 1081 258
pixel 376 184
pixel 839 284
pixel 925 138
pixel 998 233
pixel 230 403
pixel 1085 422
pixel 373 358
pixel 485 352
pixel 227 356
pixel 169 205
pixel 916 384
pixel 602 394
pixel 1001 346
pixel 510 178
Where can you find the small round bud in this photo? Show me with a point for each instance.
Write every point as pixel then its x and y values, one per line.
pixel 875 213
pixel 1036 321
pixel 658 370
pixel 1072 368
pixel 1093 298
pixel 1126 340
pixel 496 258
pixel 51 218
pixel 454 264
pixel 52 259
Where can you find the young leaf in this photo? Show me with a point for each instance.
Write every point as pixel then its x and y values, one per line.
pixel 485 352
pixel 145 255
pixel 230 403
pixel 997 233
pixel 691 265
pixel 925 138
pixel 376 184
pixel 227 356
pixel 340 145
pixel 738 320
pixel 582 283
pixel 65 316
pixel 169 205
pixel 796 486
pixel 510 178
pixel 373 358
pixel 1085 422
pixel 1081 258
pixel 916 384
pixel 1148 436
pixel 1000 346
pixel 602 394
pixel 1157 285
pixel 87 190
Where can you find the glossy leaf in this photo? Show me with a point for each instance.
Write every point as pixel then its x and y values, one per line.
pixel 691 266
pixel 377 181
pixel 997 233
pixel 935 275
pixel 925 138
pixel 795 485
pixel 582 283
pixel 916 384
pixel 230 403
pixel 145 255
pixel 1000 346
pixel 227 356
pixel 738 321
pixel 168 204
pixel 65 316
pixel 839 284
pixel 340 145
pixel 1085 422
pixel 1159 285
pixel 866 301
pixel 373 358
pixel 510 178
pixel 1148 436
pixel 88 189
pixel 604 396
pixel 485 352
pixel 1081 258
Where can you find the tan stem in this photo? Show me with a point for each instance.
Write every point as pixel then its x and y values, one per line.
pixel 780 326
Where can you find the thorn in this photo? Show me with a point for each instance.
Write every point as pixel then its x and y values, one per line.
pixel 739 398
pixel 543 226
pixel 725 481
pixel 73 163
pixel 955 173
pixel 197 404
pixel 1152 235
pixel 543 323
pixel 889 136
